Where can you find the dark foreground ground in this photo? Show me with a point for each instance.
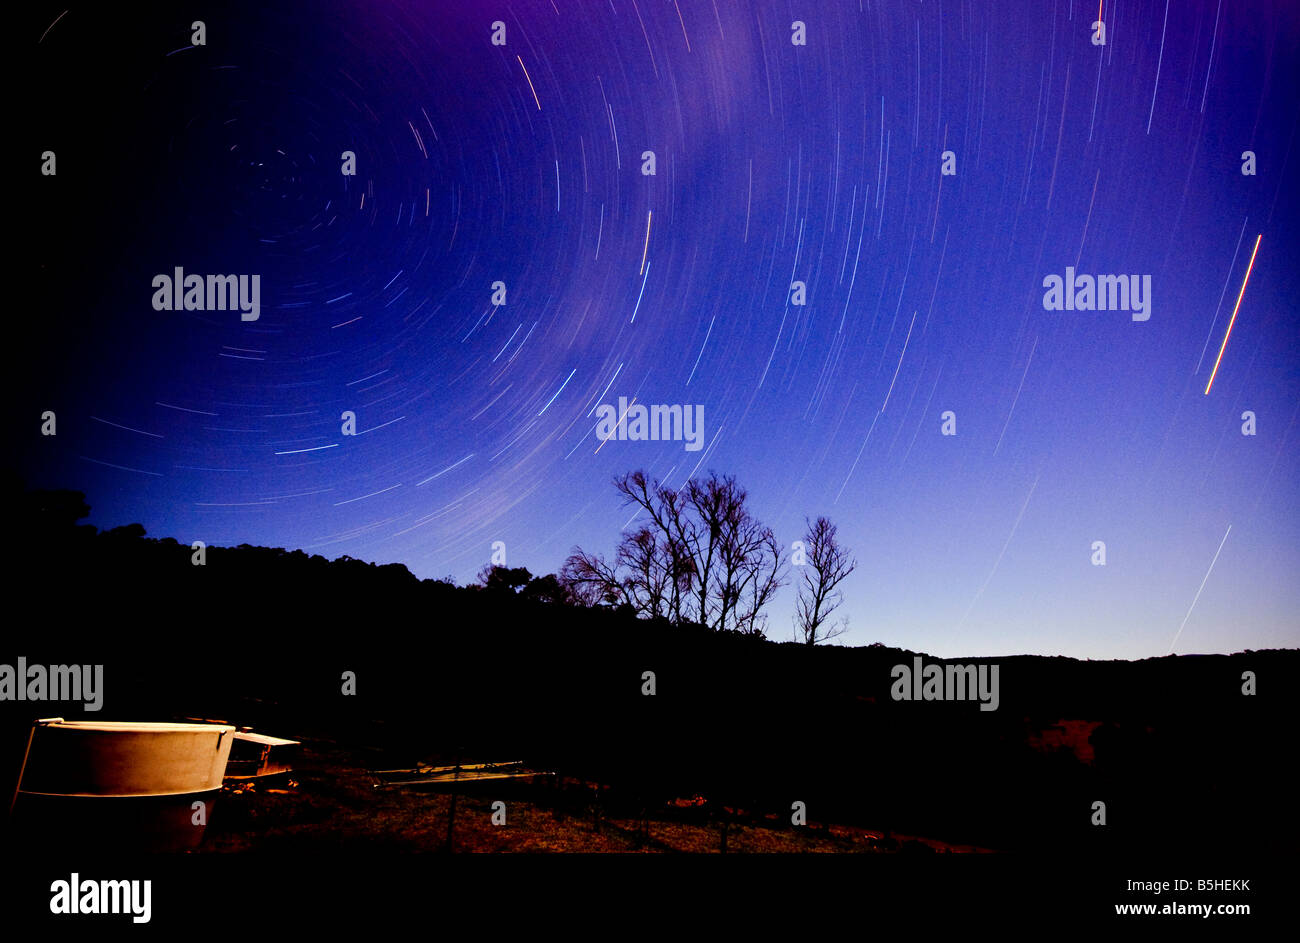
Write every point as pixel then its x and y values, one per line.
pixel 373 668
pixel 331 805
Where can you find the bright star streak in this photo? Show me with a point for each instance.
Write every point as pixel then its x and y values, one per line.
pixel 649 213
pixel 1198 591
pixel 1241 294
pixel 559 391
pixel 530 82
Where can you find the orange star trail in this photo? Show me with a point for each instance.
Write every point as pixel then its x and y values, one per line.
pixel 1241 294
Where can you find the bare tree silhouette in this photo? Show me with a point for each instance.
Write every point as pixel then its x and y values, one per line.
pixel 818 595
pixel 702 557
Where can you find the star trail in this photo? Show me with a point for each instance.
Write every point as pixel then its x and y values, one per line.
pixel 836 247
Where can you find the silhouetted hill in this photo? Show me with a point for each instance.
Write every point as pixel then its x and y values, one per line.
pixel 263 636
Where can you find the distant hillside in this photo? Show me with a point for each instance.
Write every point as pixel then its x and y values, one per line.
pixel 263 636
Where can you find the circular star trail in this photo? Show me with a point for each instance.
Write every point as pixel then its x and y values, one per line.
pixel 827 227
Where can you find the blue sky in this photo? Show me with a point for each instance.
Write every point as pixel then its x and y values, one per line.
pixel 776 163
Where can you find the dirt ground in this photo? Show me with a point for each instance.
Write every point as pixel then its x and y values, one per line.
pixel 332 804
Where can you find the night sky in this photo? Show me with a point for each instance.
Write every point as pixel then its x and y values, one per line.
pixel 821 163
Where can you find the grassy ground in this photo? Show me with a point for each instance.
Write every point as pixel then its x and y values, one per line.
pixel 331 805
